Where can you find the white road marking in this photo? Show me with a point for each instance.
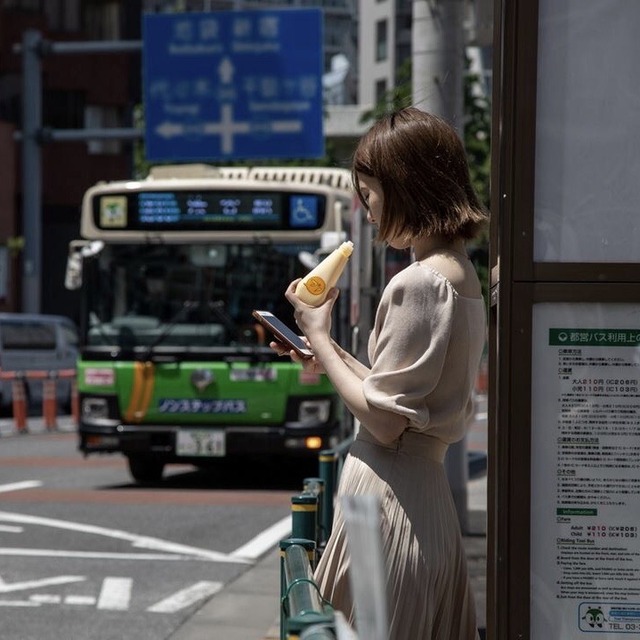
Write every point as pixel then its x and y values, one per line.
pixel 58 553
pixel 115 594
pixel 18 603
pixel 186 597
pixel 16 486
pixel 45 598
pixel 143 542
pixel 9 529
pixel 6 587
pixel 264 541
pixel 83 601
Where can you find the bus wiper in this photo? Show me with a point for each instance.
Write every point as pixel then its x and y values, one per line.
pixel 96 323
pixel 217 307
pixel 187 305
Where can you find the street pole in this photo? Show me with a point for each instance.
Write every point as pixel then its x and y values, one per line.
pixel 31 170
pixel 33 135
pixel 437 87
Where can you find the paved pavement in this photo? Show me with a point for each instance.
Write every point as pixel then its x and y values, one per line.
pixel 248 609
pixel 35 424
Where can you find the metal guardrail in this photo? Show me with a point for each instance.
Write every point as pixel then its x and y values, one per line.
pixel 303 608
pixel 304 615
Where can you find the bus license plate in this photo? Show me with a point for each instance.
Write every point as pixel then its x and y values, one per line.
pixel 205 443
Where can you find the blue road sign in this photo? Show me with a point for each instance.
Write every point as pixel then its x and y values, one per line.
pixel 233 85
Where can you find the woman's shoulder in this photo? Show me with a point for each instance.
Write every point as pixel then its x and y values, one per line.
pixel 418 285
pixel 416 276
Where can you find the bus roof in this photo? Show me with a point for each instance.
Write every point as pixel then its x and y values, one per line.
pixel 334 177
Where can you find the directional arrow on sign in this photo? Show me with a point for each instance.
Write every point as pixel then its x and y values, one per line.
pixel 5 587
pixel 225 70
pixel 227 128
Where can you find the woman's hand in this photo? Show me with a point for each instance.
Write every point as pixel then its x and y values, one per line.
pixel 308 364
pixel 313 321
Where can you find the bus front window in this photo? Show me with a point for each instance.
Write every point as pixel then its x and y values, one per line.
pixel 187 295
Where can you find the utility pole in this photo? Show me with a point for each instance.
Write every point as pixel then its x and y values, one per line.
pixel 33 135
pixel 31 171
pixel 438 49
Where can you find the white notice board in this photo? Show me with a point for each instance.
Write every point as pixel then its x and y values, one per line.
pixel 585 471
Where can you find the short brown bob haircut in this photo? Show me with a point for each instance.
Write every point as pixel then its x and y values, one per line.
pixel 422 168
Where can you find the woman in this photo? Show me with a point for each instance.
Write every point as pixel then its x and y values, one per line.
pixel 410 173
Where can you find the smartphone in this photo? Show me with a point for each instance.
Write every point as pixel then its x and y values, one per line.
pixel 282 333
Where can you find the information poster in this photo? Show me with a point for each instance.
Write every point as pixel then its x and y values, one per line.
pixel 585 471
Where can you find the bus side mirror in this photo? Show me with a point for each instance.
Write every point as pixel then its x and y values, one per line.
pixel 73 273
pixel 77 254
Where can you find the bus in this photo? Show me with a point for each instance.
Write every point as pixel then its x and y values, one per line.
pixel 173 368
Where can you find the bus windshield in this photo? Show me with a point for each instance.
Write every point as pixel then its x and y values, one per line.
pixel 187 295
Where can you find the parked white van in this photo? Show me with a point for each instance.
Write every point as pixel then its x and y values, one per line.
pixel 37 342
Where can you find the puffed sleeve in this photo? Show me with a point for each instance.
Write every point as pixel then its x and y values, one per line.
pixel 411 337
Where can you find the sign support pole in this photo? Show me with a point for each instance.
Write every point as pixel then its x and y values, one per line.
pixel 32 136
pixel 31 170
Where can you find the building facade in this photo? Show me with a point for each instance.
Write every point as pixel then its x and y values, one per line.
pixel 384 39
pixel 78 91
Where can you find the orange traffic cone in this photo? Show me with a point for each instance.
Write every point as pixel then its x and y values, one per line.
pixel 19 400
pixel 49 408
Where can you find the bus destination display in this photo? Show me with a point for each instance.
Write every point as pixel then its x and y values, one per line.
pixel 197 210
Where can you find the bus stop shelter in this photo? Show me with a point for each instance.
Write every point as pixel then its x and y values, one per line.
pixel 564 487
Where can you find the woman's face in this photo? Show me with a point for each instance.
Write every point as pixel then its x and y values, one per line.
pixel 374 198
pixel 371 191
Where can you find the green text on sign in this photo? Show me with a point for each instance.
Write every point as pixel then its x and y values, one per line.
pixel 595 337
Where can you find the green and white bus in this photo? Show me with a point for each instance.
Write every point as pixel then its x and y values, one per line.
pixel 172 367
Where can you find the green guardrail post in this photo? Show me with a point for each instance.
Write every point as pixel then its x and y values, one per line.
pixel 321 631
pixel 327 471
pixel 304 516
pixel 314 626
pixel 305 604
pixel 309 547
pixel 315 486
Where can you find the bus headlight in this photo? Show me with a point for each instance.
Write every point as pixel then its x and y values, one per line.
pixel 314 411
pixel 95 408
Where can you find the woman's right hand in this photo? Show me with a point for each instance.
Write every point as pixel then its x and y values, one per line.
pixel 312 365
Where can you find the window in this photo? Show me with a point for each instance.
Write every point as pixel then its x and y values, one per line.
pixel 71 335
pixel 102 20
pixel 381 90
pixel 99 117
pixel 27 336
pixel 381 40
pixel 63 15
pixel 34 6
pixel 63 109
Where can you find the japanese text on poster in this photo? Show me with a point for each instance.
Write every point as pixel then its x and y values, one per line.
pixel 585 496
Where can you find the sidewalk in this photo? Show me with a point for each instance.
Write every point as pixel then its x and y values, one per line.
pixel 248 609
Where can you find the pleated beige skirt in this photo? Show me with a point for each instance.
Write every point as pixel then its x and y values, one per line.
pixel 428 589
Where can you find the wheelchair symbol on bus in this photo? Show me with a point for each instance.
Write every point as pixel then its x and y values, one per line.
pixel 304 212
